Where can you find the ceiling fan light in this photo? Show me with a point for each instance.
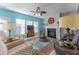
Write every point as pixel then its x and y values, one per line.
pixel 38 14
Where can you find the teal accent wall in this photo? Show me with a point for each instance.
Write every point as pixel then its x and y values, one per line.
pixel 13 15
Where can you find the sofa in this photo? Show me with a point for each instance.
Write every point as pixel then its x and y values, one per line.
pixel 14 43
pixel 18 47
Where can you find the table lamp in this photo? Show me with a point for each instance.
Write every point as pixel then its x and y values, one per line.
pixel 69 22
pixel 9 27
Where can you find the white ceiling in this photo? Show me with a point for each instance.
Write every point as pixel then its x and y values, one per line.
pixel 51 8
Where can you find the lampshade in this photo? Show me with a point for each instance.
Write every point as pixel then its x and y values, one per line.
pixel 77 21
pixel 69 21
pixel 9 26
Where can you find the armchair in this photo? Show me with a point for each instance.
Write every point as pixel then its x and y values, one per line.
pixel 3 48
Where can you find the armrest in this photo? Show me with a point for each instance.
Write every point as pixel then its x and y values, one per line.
pixel 14 43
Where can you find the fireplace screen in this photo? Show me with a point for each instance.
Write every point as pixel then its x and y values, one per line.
pixel 51 32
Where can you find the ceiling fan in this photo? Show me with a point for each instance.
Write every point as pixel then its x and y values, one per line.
pixel 38 11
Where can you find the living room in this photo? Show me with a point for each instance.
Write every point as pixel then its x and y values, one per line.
pixel 39 29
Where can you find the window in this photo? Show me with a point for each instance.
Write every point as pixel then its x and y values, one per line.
pixel 36 27
pixel 1 27
pixel 2 22
pixel 34 23
pixel 28 22
pixel 20 26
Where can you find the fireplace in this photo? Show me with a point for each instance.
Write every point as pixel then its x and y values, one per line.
pixel 51 32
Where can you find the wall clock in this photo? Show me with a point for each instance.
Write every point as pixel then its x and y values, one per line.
pixel 51 20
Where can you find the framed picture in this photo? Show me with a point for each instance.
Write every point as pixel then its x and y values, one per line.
pixel 51 20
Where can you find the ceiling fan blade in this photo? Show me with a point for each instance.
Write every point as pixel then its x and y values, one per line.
pixel 44 12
